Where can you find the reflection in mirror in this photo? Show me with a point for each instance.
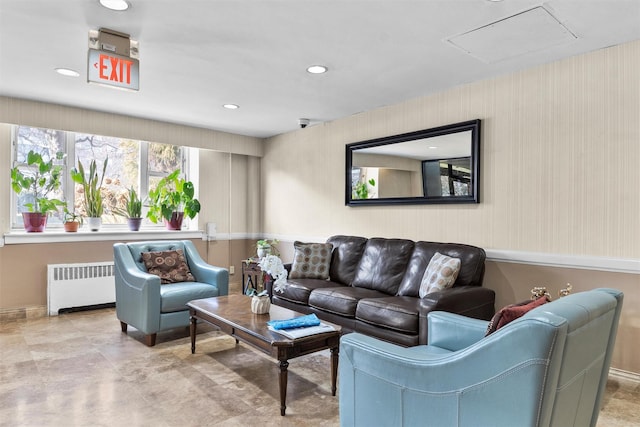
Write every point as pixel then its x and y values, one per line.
pixel 439 165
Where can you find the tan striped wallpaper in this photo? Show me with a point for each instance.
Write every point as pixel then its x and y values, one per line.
pixel 560 163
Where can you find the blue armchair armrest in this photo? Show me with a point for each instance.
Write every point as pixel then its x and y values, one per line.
pixel 453 331
pixel 204 272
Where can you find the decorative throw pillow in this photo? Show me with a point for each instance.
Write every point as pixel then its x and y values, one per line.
pixel 441 273
pixel 170 266
pixel 512 312
pixel 311 261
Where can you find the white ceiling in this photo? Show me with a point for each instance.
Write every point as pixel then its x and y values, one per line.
pixel 196 55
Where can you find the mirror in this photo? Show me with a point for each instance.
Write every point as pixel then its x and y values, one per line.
pixel 438 165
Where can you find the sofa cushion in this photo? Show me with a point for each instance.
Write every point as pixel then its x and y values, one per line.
pixel 471 271
pixel 341 300
pixel 298 290
pixel 347 251
pixel 383 264
pixel 440 274
pixel 311 261
pixel 175 296
pixel 171 266
pixel 397 313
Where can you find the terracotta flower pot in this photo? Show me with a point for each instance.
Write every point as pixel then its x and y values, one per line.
pixel 34 222
pixel 71 226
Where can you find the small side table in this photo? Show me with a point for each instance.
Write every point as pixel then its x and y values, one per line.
pixel 254 277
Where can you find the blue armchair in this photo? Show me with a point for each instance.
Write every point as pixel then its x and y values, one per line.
pixel 547 368
pixel 145 304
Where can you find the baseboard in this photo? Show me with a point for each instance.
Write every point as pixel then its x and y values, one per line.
pixel 625 375
pixel 12 314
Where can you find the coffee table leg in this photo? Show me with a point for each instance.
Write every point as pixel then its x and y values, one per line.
pixel 192 329
pixel 283 386
pixel 334 369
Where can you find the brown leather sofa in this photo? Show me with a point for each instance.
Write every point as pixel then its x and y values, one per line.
pixel 373 288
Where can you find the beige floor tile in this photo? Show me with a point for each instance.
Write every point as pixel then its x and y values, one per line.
pixel 78 369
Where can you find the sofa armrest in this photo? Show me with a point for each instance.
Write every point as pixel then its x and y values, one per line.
pixel 470 301
pixel 206 273
pixel 137 292
pixel 453 331
pixel 130 273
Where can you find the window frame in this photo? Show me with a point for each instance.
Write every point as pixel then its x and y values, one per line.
pixel 187 156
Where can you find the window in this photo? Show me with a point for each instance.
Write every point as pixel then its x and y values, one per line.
pixel 131 163
pixel 47 143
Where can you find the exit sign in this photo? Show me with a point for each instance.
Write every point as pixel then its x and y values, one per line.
pixel 113 70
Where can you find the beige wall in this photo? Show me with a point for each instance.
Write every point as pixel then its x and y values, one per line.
pixel 559 163
pixel 41 114
pixel 229 188
pixel 559 176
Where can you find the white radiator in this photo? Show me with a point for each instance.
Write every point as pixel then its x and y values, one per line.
pixel 79 285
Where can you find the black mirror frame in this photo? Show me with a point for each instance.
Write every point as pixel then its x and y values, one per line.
pixel 472 125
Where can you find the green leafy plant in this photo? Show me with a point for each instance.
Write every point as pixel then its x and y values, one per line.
pixel 45 180
pixel 266 243
pixel 361 189
pixel 91 185
pixel 269 245
pixel 172 194
pixel 133 205
pixel 72 216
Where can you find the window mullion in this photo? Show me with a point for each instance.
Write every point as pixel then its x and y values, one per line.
pixel 14 162
pixel 143 174
pixel 69 186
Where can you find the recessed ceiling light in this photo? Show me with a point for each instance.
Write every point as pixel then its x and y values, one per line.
pixel 317 69
pixel 231 106
pixel 118 5
pixel 67 72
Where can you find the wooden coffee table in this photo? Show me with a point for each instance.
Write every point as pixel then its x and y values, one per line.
pixel 232 314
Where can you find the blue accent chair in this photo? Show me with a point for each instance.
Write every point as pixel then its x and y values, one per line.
pixel 547 368
pixel 150 307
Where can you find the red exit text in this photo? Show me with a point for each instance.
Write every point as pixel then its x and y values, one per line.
pixel 114 69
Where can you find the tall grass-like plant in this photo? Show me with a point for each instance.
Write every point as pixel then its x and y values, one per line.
pixel 132 207
pixel 91 184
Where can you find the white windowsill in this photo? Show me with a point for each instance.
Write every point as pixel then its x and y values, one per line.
pixel 22 237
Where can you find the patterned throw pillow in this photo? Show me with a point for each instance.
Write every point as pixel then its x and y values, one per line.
pixel 170 266
pixel 311 261
pixel 441 273
pixel 511 312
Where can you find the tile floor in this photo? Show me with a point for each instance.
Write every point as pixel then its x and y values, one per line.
pixel 78 369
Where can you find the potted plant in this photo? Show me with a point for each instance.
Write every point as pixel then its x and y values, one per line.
pixel 273 266
pixel 44 181
pixel 265 247
pixel 361 189
pixel 132 210
pixel 71 221
pixel 91 186
pixel 171 200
